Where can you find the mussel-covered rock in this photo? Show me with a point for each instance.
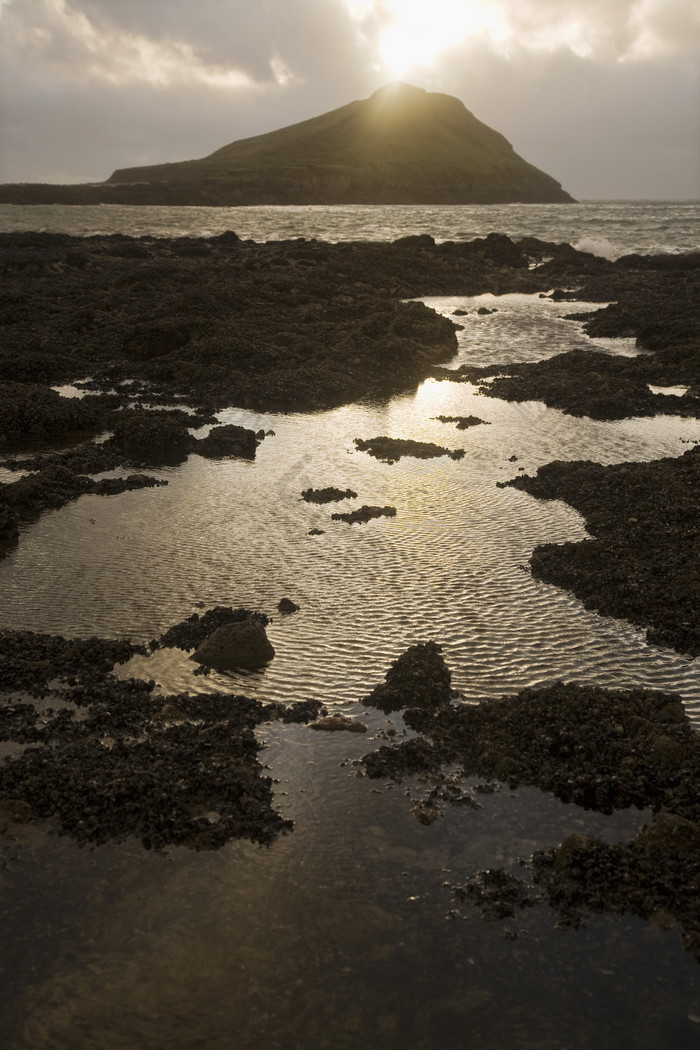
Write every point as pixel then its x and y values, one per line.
pixel 364 514
pixel 232 645
pixel 419 678
pixel 389 450
pixel 229 440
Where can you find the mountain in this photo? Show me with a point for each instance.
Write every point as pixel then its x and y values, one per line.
pixel 403 145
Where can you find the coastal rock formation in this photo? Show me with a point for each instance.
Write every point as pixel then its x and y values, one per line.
pixel 462 422
pixel 389 450
pixel 364 514
pixel 418 678
pixel 192 632
pixel 330 494
pixel 338 723
pixel 180 770
pixel 656 300
pixel 233 645
pixel 642 560
pixel 230 440
pixel 601 749
pixel 403 145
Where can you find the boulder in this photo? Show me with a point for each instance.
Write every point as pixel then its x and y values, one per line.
pixel 229 440
pixel 243 644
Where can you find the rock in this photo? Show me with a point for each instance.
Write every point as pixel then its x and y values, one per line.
pixel 336 723
pixel 640 559
pixel 153 437
pixel 229 440
pixel 286 605
pixel 389 450
pixel 316 532
pixel 365 514
pixel 193 631
pixel 418 678
pixel 243 644
pixel 155 339
pixel 462 422
pixel 327 495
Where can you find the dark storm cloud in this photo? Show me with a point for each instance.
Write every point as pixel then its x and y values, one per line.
pixel 602 94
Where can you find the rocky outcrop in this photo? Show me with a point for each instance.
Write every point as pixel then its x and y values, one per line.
pixel 601 749
pixel 364 514
pixel 418 678
pixel 230 440
pixel 181 770
pixel 327 495
pixel 642 560
pixel 389 450
pixel 235 645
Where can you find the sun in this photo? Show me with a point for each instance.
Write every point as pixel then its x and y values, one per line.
pixel 419 31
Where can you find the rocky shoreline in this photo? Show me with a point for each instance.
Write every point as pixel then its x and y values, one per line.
pixel 203 324
pixel 601 749
pixel 303 325
pixel 103 759
pixel 642 562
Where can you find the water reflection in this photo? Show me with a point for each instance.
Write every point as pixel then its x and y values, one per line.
pixel 451 566
pixel 337 935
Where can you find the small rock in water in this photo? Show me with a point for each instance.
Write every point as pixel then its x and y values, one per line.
pixel 243 644
pixel 365 514
pixel 336 723
pixel 286 605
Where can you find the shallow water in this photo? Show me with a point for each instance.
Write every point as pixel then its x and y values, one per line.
pixel 338 934
pixel 451 566
pixel 341 934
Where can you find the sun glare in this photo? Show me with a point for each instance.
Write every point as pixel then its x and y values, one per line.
pixel 419 32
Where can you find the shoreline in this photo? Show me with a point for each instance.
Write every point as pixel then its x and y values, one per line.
pixel 163 320
pixel 177 318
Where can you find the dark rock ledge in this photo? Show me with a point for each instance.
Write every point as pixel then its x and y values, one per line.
pixel 105 759
pixel 139 437
pixel 462 422
pixel 602 749
pixel 643 560
pixel 364 514
pixel 390 450
pixel 327 495
pixel 653 299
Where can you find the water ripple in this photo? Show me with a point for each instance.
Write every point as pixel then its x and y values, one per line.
pixel 452 566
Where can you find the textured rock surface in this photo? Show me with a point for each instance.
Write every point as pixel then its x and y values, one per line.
pixel 232 645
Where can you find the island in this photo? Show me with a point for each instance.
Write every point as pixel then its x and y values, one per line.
pixel 403 145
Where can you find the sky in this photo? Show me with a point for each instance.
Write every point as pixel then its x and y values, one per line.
pixel 604 95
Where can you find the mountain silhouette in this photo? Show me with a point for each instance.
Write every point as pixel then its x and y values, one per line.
pixel 403 145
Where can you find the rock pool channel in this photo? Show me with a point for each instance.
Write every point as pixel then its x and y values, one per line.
pixel 348 930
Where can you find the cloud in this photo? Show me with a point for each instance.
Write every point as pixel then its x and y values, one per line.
pixel 603 94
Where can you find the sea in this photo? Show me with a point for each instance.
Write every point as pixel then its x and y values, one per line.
pixel 607 228
pixel 344 933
